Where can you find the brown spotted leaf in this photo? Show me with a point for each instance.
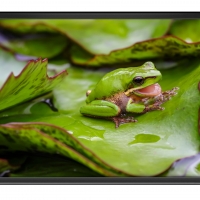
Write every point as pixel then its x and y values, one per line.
pixel 47 138
pixel 32 82
pixel 163 47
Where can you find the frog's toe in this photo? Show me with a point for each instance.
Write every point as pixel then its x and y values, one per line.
pixel 176 88
pixel 161 108
pixel 122 120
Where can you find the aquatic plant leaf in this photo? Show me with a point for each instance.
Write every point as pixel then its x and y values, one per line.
pixel 166 47
pixel 48 139
pixel 146 148
pixel 9 64
pixel 30 83
pixel 95 36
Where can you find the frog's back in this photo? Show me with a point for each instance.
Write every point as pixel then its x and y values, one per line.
pixel 113 82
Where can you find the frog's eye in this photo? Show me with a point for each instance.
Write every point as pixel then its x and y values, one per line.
pixel 138 80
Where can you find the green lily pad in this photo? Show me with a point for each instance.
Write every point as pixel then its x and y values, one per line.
pixel 99 45
pixel 175 127
pixel 65 137
pixel 96 36
pixel 30 83
pixel 102 36
pixel 20 137
pixel 10 62
pixel 145 148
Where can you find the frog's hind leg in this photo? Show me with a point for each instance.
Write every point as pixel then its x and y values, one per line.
pixel 100 108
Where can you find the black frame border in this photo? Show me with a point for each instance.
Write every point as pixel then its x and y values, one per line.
pixel 99 15
pixel 100 180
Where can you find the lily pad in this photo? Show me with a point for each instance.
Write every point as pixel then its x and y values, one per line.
pixel 114 145
pixel 96 36
pixel 30 83
pixel 166 47
pixel 49 139
pixel 145 148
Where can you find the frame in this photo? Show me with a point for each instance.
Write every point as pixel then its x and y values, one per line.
pixel 99 180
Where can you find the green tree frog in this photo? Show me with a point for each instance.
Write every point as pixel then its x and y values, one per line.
pixel 126 91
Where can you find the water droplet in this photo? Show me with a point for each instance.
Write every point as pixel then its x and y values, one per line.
pixel 70 132
pixel 145 138
pixel 87 133
pixel 153 140
pixel 90 138
pixel 96 139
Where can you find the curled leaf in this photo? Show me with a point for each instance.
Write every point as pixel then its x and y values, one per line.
pixel 32 82
pixel 166 47
pixel 40 137
pixel 97 35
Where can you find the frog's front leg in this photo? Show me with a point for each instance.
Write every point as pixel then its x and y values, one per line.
pixel 106 109
pixel 134 107
pixel 130 108
pixel 166 95
pixel 156 102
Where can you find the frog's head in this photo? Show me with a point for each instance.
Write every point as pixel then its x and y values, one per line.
pixel 144 81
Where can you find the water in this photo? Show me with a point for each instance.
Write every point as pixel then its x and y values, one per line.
pixel 150 139
pixel 145 138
